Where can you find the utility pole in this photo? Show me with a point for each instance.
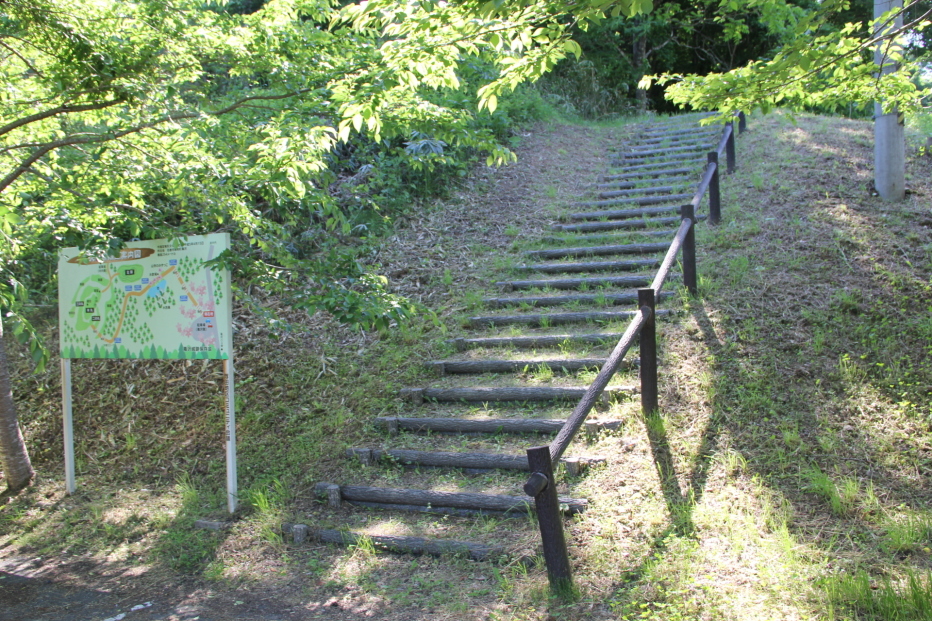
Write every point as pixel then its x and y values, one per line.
pixel 889 142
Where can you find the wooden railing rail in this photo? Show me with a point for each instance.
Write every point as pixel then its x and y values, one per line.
pixel 542 483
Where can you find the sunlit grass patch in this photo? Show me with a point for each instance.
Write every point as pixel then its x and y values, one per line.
pixel 862 597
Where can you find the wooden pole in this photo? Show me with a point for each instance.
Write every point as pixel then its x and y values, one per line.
pixel 689 250
pixel 715 195
pixel 889 142
pixel 542 486
pixel 730 149
pixel 648 353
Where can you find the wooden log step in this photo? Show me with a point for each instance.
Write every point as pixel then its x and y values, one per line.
pixel 662 189
pixel 461 500
pixel 638 230
pixel 385 506
pixel 639 152
pixel 609 299
pixel 488 425
pixel 621 214
pixel 452 459
pixel 594 251
pixel 534 342
pixel 660 172
pixel 558 365
pixel 592 266
pixel 646 200
pixel 398 544
pixel 662 162
pixel 684 124
pixel 695 144
pixel 619 225
pixel 619 184
pixel 676 140
pixel 680 179
pixel 505 393
pixel 576 283
pixel 691 131
pixel 670 159
pixel 552 319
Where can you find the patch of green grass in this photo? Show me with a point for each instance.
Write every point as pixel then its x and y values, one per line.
pixel 911 532
pixel 883 598
pixel 183 547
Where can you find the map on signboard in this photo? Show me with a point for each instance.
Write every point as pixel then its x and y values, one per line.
pixel 156 299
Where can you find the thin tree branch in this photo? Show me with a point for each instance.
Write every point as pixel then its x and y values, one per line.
pixel 65 109
pixel 22 58
pixel 85 138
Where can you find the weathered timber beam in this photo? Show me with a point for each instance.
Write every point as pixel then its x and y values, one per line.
pixel 660 189
pixel 584 251
pixel 592 266
pixel 679 180
pixel 399 544
pixel 463 500
pixel 647 200
pixel 621 214
pixel 608 180
pixel 661 162
pixel 552 318
pixel 509 366
pixel 452 459
pixel 489 425
pixel 503 393
pixel 575 283
pixel 531 342
pixel 537 301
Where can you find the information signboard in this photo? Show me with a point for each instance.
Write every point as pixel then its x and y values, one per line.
pixel 156 299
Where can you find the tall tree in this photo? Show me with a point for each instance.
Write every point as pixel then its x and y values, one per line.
pixel 17 468
pixel 160 118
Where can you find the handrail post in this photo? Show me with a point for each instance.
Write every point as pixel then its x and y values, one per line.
pixel 730 149
pixel 648 353
pixel 687 212
pixel 542 486
pixel 715 196
pixel 742 123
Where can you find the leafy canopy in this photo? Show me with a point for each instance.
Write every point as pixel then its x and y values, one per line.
pixel 820 65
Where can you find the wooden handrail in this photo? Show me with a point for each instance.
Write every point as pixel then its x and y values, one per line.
pixel 541 484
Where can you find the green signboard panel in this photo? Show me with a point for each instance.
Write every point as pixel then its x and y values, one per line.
pixel 156 300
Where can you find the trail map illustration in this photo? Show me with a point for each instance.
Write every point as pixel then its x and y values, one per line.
pixel 155 300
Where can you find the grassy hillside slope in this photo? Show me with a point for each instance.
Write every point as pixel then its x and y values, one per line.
pixel 789 477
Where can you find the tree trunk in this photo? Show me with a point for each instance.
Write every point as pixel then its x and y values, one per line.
pixel 17 469
pixel 639 57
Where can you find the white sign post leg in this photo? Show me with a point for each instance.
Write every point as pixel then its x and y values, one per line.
pixel 70 485
pixel 231 435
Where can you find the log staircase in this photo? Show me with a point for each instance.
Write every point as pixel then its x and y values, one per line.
pixel 558 314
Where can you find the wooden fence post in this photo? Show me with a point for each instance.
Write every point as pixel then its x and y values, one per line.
pixel 742 123
pixel 715 196
pixel 730 149
pixel 687 212
pixel 648 353
pixel 542 486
